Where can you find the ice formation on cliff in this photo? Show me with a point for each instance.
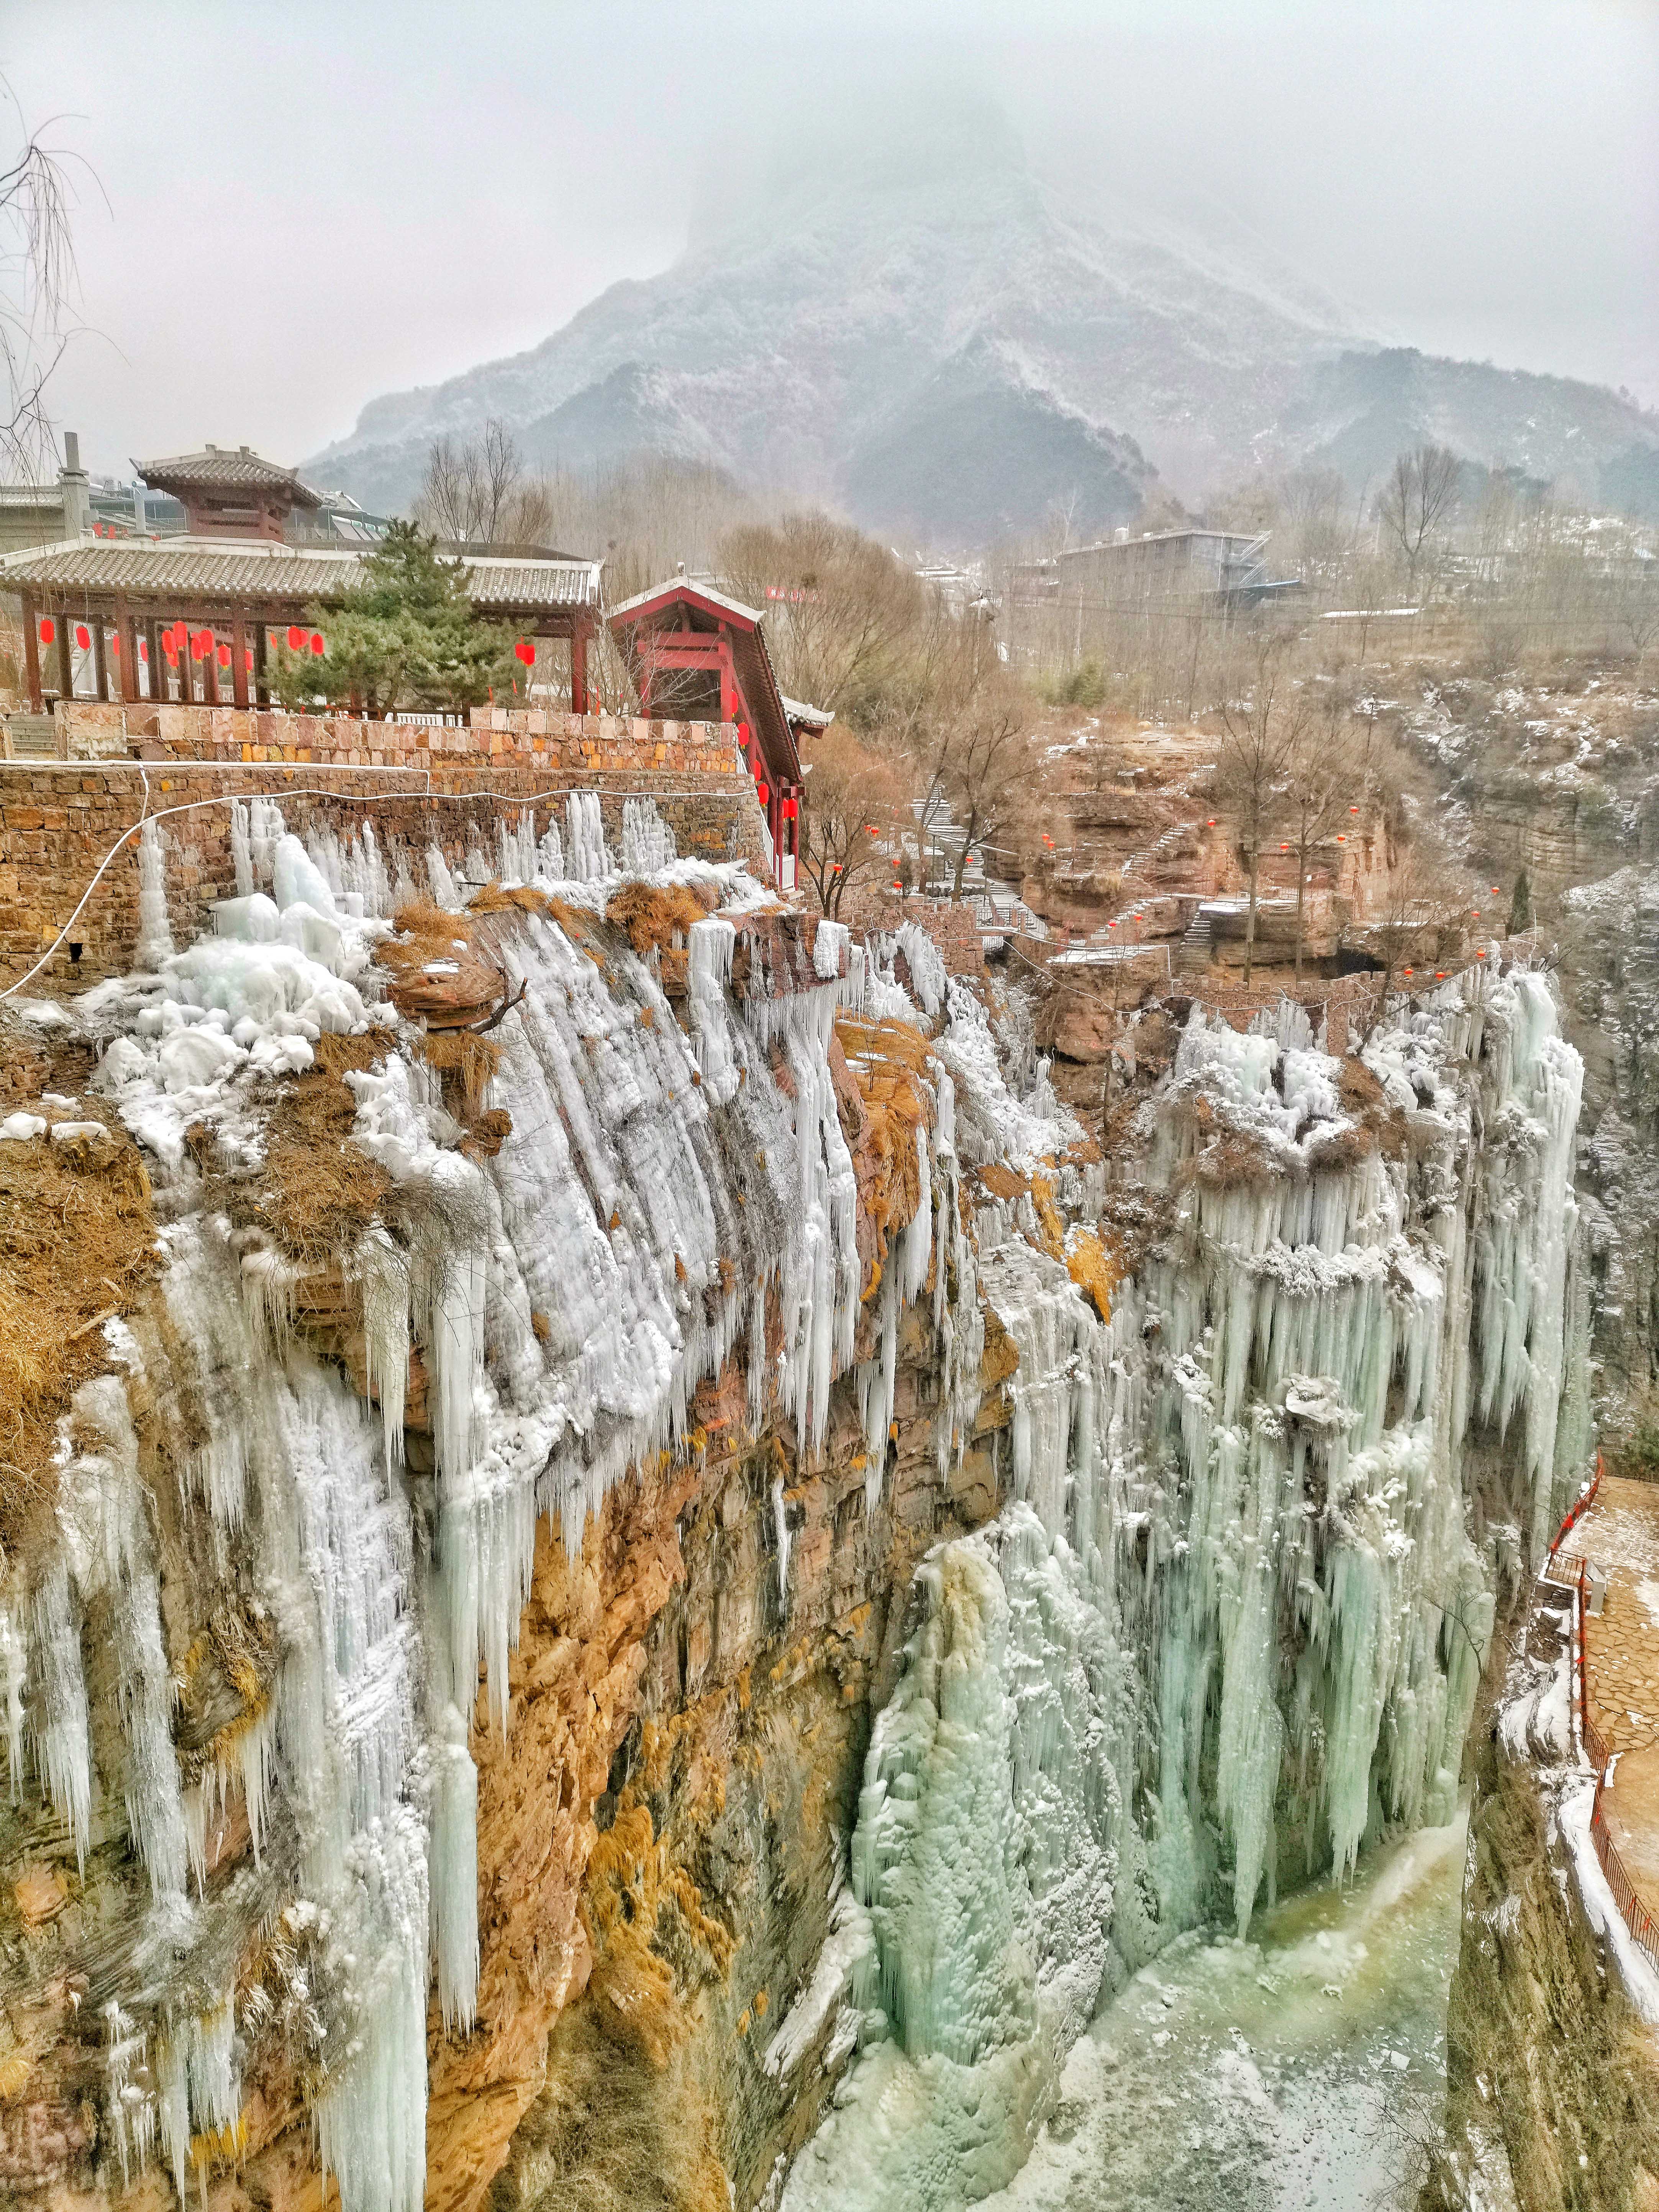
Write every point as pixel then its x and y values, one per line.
pixel 1235 1609
pixel 1255 1481
pixel 659 1193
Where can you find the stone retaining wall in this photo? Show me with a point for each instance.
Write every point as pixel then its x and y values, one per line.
pixel 577 744
pixel 57 822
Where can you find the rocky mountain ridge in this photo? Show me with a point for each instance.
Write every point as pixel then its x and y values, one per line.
pixel 949 349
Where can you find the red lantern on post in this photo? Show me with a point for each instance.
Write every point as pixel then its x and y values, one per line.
pixel 296 637
pixel 48 630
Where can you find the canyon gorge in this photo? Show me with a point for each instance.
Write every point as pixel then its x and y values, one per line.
pixel 650 1572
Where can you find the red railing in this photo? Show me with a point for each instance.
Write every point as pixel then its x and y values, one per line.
pixel 1576 1510
pixel 1638 1915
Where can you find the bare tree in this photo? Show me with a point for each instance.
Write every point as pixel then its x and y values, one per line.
pixel 839 609
pixel 37 277
pixel 855 802
pixel 1265 716
pixel 476 491
pixel 1325 774
pixel 1416 500
pixel 1420 928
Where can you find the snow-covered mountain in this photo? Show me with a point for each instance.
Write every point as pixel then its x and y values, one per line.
pixel 930 338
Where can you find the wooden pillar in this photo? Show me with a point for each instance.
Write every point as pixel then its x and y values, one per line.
pixel 187 689
pixel 100 657
pixel 261 646
pixel 158 684
pixel 239 658
pixel 127 630
pixel 32 650
pixel 578 666
pixel 211 664
pixel 65 656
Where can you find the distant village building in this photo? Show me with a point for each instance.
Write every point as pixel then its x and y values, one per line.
pixel 46 513
pixel 1122 573
pixel 1173 565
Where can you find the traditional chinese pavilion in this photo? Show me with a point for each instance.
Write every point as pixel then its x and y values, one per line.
pixel 231 492
pixel 696 655
pixel 191 618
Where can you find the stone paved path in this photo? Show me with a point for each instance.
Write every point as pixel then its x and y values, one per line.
pixel 1620 1533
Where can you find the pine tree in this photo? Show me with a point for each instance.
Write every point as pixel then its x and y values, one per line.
pixel 406 635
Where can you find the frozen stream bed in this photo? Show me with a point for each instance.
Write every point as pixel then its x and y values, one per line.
pixel 1291 2070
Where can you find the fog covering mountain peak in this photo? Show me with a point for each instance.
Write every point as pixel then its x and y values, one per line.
pixel 917 328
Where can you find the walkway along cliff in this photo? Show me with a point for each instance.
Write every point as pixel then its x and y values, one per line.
pixel 641 1562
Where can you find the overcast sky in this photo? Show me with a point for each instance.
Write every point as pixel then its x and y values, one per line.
pixel 290 210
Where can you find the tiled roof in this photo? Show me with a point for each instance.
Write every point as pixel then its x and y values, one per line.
pixel 220 468
pixel 229 568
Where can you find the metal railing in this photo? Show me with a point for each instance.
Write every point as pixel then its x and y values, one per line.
pixel 1638 1915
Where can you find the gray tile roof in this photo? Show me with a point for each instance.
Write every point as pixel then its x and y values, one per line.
pixel 224 468
pixel 176 568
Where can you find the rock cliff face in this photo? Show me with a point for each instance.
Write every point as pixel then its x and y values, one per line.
pixel 636 1591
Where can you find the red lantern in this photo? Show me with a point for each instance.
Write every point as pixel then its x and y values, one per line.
pixel 1111 925
pixel 48 630
pixel 296 637
pixel 763 791
pixel 143 649
pixel 115 644
pixel 198 645
pixel 1353 810
pixel 317 644
pixel 247 656
pixel 179 634
pixel 1212 822
pixel 1480 953
pixel 525 652
pixel 1410 971
pixel 82 636
pixel 224 656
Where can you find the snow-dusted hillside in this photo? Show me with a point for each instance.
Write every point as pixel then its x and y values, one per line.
pixel 940 344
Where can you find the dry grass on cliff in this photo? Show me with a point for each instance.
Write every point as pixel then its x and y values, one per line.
pixel 316 1193
pixel 651 917
pixel 77 1240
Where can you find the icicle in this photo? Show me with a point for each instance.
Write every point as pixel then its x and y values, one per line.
pixel 444 893
pixel 589 862
pixel 647 842
pixel 155 941
pixel 454 1870
pixel 240 850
